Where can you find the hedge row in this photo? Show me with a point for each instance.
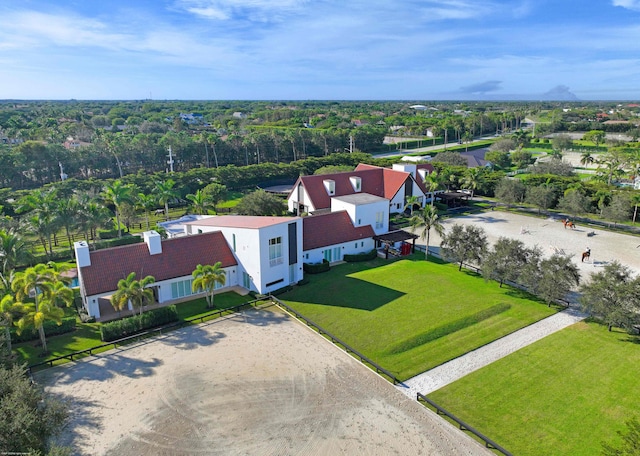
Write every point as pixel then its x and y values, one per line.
pixel 129 326
pixel 448 328
pixel 51 328
pixel 316 268
pixel 361 256
pixel 125 240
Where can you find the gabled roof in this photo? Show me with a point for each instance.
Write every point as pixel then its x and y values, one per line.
pixel 429 167
pixel 179 258
pixel 331 229
pixel 382 182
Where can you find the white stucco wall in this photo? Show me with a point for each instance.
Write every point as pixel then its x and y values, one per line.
pixel 365 213
pixel 251 248
pixel 346 248
pixel 292 202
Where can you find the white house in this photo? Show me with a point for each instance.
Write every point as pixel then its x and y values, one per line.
pixel 268 249
pixel 311 194
pixel 331 236
pixel 171 262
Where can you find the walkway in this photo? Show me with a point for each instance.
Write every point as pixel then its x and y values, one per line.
pixel 457 368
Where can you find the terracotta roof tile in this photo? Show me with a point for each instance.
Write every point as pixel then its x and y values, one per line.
pixel 331 229
pixel 383 182
pixel 179 258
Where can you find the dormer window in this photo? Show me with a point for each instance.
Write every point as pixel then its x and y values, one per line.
pixel 330 186
pixel 356 183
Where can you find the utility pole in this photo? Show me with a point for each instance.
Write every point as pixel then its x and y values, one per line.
pixel 170 161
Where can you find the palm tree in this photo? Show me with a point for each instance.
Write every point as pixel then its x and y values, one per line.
pixel 146 203
pixel 199 203
pixel 13 252
pixel 586 158
pixel 10 311
pixel 635 200
pixel 117 194
pixel 42 219
pixel 165 192
pixel 411 201
pixel 135 291
pixel 473 178
pixel 67 210
pixel 426 219
pixel 205 278
pixel 93 216
pixel 432 181
pixel 36 282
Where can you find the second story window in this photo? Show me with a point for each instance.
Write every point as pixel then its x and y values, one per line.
pixel 275 251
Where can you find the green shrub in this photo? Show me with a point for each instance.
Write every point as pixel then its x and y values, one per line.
pixel 107 234
pixel 125 240
pixel 51 328
pixel 367 256
pixel 304 281
pixel 129 326
pixel 316 268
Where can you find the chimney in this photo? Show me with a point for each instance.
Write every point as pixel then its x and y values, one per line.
pixel 405 167
pixel 83 257
pixel 153 241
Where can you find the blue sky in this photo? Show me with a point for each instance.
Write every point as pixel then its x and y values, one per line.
pixel 322 49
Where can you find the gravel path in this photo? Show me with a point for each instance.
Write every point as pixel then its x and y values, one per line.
pixel 457 368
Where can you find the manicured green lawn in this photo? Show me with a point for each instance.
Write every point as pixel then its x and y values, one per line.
pixel 411 315
pixel 87 335
pixel 563 395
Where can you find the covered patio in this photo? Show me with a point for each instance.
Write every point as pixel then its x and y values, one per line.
pixel 395 243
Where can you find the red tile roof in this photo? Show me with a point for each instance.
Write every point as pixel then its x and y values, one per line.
pixel 331 229
pixel 179 258
pixel 377 181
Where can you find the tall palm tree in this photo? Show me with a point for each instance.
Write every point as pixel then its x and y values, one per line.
pixel 67 210
pixel 146 203
pixel 10 312
pixel 165 192
pixel 635 201
pixel 42 217
pixel 36 282
pixel 205 278
pixel 199 202
pixel 135 291
pixel 92 216
pixel 117 193
pixel 433 182
pixel 14 251
pixel 424 220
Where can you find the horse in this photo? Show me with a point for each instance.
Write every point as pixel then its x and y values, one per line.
pixel 586 255
pixel 568 223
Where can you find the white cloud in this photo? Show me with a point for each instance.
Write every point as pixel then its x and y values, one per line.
pixel 254 10
pixel 629 4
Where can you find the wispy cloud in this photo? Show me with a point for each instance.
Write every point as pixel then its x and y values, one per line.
pixel 629 4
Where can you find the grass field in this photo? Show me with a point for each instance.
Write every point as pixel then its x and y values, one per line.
pixel 87 335
pixel 412 315
pixel 563 395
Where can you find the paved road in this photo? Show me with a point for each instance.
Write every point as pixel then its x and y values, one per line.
pixel 457 368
